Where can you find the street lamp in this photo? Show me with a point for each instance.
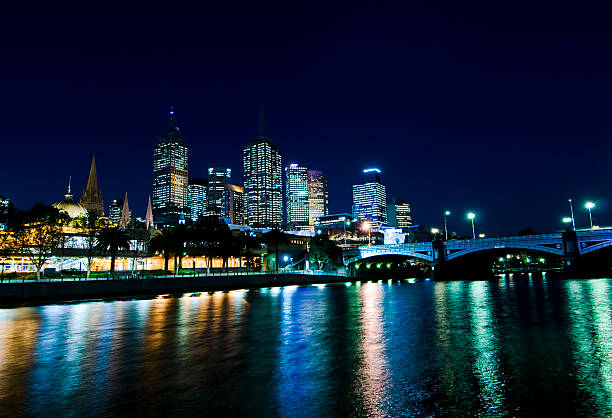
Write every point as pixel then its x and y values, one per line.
pixel 471 217
pixel 567 221
pixel 446 213
pixel 589 206
pixel 366 227
pixel 435 231
pixel 572 213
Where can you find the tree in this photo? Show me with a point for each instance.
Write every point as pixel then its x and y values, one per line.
pixel 38 234
pixel 162 242
pixel 322 250
pixel 7 244
pixel 275 238
pixel 248 246
pixel 90 231
pixel 213 236
pixel 111 240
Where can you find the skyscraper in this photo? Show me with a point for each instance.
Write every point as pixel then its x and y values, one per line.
pixel 218 177
pixel 318 200
pixel 233 204
pixel 296 192
pixel 92 195
pixel 197 197
pixel 170 175
pixel 370 197
pixel 399 213
pixel 114 210
pixel 263 181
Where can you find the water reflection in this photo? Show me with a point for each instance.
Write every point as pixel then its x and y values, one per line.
pixel 513 346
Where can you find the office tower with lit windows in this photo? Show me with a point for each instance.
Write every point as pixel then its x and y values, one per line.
pixel 318 200
pixel 399 213
pixel 233 204
pixel 114 210
pixel 218 177
pixel 263 181
pixel 370 197
pixel 170 176
pixel 198 200
pixel 296 195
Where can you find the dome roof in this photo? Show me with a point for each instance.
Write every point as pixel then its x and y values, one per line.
pixel 72 208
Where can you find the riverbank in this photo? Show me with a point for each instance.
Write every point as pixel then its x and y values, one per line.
pixel 12 294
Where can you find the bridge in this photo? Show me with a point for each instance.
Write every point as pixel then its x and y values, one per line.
pixel 568 244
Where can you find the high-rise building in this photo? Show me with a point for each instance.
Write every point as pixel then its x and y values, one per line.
pixel 370 197
pixel 318 200
pixel 218 177
pixel 296 195
pixel 263 181
pixel 170 175
pixel 233 204
pixel 399 213
pixel 92 195
pixel 197 197
pixel 114 211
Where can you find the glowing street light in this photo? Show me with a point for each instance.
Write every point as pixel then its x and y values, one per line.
pixel 446 213
pixel 435 231
pixel 471 217
pixel 589 206
pixel 567 220
pixel 572 213
pixel 367 227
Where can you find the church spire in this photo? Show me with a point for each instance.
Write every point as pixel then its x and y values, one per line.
pixel 125 213
pixel 92 196
pixel 149 216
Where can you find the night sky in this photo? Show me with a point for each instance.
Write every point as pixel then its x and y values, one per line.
pixel 506 112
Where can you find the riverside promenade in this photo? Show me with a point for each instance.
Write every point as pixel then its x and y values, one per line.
pixel 19 292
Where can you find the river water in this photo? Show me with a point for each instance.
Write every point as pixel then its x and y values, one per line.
pixel 505 347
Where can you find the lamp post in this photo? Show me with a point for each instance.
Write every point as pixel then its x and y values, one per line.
pixel 471 217
pixel 446 213
pixel 366 227
pixel 589 206
pixel 572 213
pixel 434 231
pixel 567 221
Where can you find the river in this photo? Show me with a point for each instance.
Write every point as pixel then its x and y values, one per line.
pixel 513 346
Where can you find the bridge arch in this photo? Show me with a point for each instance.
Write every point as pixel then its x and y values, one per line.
pixel 585 249
pixel 452 255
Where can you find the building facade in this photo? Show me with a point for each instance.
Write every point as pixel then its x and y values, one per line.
pixel 170 176
pixel 318 199
pixel 399 213
pixel 296 197
pixel 370 197
pixel 233 204
pixel 198 197
pixel 263 183
pixel 218 177
pixel 114 210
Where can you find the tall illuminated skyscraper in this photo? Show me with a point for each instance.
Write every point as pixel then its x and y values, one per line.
pixel 296 192
pixel 263 181
pixel 233 204
pixel 198 191
pixel 370 197
pixel 399 213
pixel 318 200
pixel 170 175
pixel 218 177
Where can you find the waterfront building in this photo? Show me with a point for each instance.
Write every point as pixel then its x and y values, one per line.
pixel 296 192
pixel 318 200
pixel 70 207
pixel 114 211
pixel 218 177
pixel 198 191
pixel 370 197
pixel 399 213
pixel 92 195
pixel 233 204
pixel 338 224
pixel 170 175
pixel 263 181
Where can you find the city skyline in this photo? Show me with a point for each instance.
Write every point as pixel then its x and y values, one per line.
pixel 466 118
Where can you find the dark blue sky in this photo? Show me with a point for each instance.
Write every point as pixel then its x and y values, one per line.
pixel 503 111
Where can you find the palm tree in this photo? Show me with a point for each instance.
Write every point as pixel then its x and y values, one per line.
pixel 111 240
pixel 275 237
pixel 162 242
